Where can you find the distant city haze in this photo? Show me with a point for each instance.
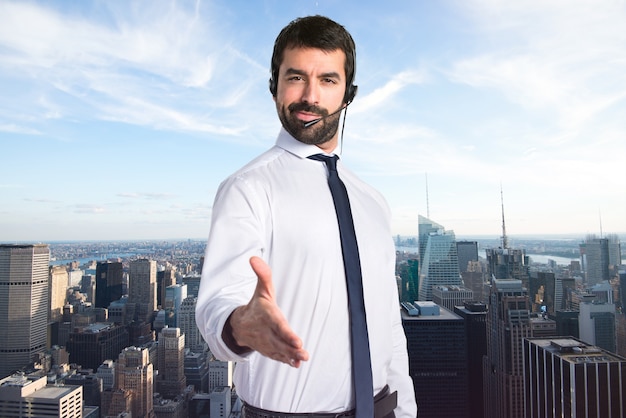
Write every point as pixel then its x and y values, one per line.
pixel 118 124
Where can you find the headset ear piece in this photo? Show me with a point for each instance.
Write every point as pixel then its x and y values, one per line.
pixel 350 93
pixel 273 87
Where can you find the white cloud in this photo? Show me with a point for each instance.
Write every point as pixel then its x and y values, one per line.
pixel 149 196
pixel 17 129
pixel 94 209
pixel 557 57
pixel 382 95
pixel 147 66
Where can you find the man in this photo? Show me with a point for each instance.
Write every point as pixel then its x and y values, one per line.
pixel 274 295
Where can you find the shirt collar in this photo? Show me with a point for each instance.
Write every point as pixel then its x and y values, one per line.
pixel 292 145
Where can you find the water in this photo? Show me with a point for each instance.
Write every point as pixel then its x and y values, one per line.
pixel 85 260
pixel 534 258
pixel 543 259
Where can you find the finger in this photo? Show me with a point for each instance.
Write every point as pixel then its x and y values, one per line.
pixel 290 356
pixel 265 286
pixel 288 336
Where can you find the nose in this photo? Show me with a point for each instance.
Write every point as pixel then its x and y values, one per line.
pixel 311 92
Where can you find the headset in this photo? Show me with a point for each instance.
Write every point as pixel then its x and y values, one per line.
pixel 351 88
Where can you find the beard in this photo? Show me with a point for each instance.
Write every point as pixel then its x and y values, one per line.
pixel 316 134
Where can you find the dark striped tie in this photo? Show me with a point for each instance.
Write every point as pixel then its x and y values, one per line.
pixel 361 363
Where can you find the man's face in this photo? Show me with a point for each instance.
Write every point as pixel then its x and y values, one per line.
pixel 311 84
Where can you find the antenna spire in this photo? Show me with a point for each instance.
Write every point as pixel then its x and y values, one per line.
pixel 600 214
pixel 505 240
pixel 427 205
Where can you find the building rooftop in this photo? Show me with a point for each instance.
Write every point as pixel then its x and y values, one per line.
pixel 576 351
pixel 451 288
pixel 52 393
pixel 443 313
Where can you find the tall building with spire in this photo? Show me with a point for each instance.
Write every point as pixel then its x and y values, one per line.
pixel 23 304
pixel 505 262
pixel 142 288
pixel 439 263
pixel 594 253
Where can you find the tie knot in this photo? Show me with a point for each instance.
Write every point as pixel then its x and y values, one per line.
pixel 330 160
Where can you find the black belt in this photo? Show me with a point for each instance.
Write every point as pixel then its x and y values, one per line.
pixel 384 404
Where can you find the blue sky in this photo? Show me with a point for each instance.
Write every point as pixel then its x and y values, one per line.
pixel 119 119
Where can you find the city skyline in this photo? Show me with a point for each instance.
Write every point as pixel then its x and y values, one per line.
pixel 118 121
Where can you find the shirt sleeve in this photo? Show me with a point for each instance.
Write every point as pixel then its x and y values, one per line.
pixel 228 281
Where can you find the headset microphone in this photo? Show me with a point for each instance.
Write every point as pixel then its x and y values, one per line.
pixel 314 121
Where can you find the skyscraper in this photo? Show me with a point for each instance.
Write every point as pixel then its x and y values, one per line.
pixel 542 291
pixel 193 285
pixel 92 344
pixel 134 373
pixel 187 324
pixel 615 251
pixel 409 275
pixel 165 278
pixel 142 288
pixel 88 287
pixel 508 263
pixel 563 288
pixel 57 292
pixel 197 370
pixel 220 373
pixel 450 296
pixel 474 280
pixel 467 252
pixel 109 277
pixel 565 377
pixel 508 323
pixel 174 296
pixel 438 258
pixel 106 372
pixel 23 304
pixel 596 324
pixel 474 316
pixel 171 379
pixel 437 349
pixel 594 253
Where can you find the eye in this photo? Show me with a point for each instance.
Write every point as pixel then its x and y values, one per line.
pixel 329 80
pixel 295 78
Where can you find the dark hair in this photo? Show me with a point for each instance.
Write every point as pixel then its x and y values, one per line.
pixel 316 32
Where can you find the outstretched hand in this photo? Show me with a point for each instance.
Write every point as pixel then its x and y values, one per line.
pixel 261 326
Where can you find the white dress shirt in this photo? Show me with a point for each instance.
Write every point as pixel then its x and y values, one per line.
pixel 279 207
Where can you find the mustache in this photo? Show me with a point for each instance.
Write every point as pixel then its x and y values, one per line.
pixel 305 107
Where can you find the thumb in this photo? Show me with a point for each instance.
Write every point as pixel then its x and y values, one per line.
pixel 265 286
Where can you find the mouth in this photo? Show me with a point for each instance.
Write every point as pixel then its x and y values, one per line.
pixel 306 116
pixel 305 112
